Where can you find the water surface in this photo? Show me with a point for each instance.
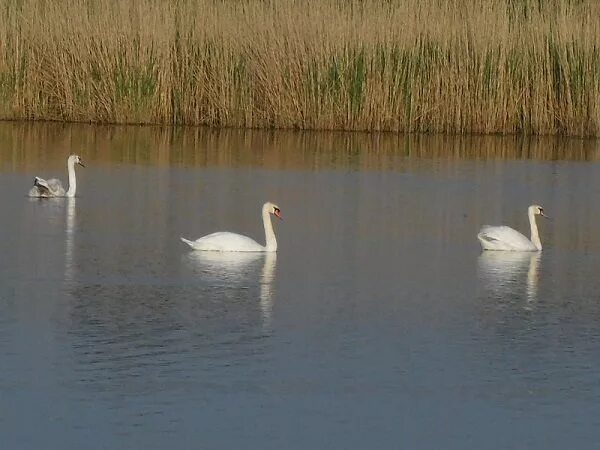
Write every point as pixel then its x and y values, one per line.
pixel 378 324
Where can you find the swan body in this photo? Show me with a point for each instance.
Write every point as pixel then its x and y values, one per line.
pixel 507 239
pixel 224 241
pixel 53 187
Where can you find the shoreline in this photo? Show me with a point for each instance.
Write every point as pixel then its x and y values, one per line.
pixel 374 133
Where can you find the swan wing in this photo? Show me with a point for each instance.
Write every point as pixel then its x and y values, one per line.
pixel 40 188
pixel 56 187
pixel 46 188
pixel 503 238
pixel 224 241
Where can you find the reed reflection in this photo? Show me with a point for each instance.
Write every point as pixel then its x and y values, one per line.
pixel 27 146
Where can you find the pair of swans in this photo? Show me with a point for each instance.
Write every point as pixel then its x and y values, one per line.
pixel 507 239
pixel 53 187
pixel 491 238
pixel 218 242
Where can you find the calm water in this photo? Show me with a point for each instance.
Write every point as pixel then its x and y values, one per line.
pixel 379 323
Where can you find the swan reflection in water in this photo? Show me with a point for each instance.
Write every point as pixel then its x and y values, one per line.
pixel 504 272
pixel 69 237
pixel 266 288
pixel 239 269
pixel 223 266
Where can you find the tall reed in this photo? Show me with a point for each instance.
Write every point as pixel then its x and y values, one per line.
pixel 457 66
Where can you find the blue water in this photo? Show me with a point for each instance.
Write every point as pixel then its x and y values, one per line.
pixel 378 324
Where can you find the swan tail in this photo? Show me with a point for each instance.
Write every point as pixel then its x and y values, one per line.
pixel 188 242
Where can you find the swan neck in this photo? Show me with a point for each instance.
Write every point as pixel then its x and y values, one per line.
pixel 271 242
pixel 72 179
pixel 535 236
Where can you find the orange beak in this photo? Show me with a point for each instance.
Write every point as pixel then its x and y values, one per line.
pixel 277 213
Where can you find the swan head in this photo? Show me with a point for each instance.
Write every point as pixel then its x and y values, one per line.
pixel 272 208
pixel 538 211
pixel 76 159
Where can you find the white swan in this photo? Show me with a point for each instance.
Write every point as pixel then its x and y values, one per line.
pixel 53 187
pixel 505 238
pixel 224 241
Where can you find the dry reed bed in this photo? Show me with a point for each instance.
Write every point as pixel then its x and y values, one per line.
pixel 458 66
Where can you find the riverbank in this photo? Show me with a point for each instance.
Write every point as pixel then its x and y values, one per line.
pixel 482 66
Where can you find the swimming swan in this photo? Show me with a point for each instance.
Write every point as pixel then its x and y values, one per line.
pixel 505 238
pixel 224 241
pixel 53 187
